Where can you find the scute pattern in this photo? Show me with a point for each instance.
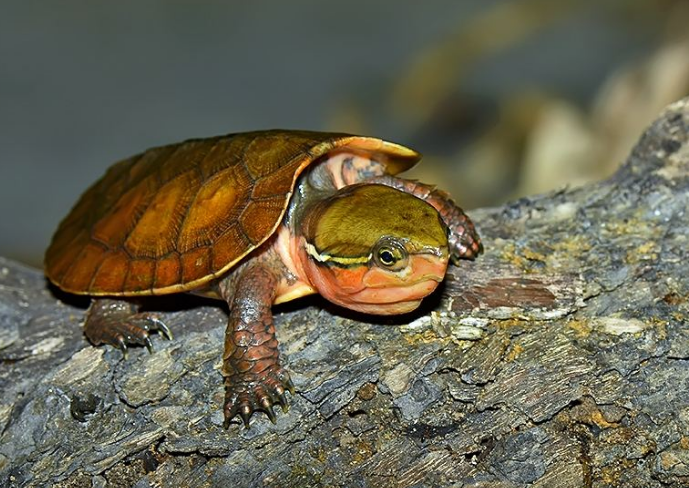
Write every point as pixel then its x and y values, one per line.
pixel 155 233
pixel 217 206
pixel 174 217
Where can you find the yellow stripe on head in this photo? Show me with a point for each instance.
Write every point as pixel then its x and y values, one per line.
pixel 338 260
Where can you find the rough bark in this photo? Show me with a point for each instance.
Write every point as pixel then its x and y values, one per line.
pixel 560 358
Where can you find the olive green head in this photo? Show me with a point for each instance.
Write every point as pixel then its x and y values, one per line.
pixel 367 222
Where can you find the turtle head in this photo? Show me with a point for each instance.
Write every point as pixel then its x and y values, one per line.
pixel 374 249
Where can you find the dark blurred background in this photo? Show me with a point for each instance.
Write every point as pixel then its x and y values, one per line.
pixel 504 97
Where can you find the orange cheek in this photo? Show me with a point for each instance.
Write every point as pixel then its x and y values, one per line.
pixel 430 266
pixel 335 284
pixel 349 280
pixel 378 278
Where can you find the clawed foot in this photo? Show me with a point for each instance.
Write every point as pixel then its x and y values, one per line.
pixel 247 393
pixel 117 323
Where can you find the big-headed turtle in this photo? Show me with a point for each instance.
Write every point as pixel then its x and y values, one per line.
pixel 256 219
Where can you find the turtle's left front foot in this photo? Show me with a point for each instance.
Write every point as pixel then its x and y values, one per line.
pixel 463 240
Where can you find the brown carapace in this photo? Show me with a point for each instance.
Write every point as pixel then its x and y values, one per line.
pixel 225 217
pixel 174 217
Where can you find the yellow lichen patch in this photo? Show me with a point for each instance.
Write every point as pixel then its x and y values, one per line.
pixel 363 452
pixel 684 443
pixel 620 435
pixel 669 459
pixel 578 244
pixel 629 227
pixel 516 322
pixel 319 454
pixel 568 250
pixel 580 327
pixel 514 256
pixel 660 327
pixel 680 317
pixel 425 337
pixel 610 475
pixel 514 352
pixel 598 419
pixel 564 251
pixel 647 251
pixel 534 256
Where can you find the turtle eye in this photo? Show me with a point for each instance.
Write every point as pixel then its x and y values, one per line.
pixel 390 254
pixel 386 256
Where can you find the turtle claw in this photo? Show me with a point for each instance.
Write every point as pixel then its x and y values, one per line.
pixel 122 346
pixel 290 385
pixel 268 409
pixel 245 414
pixel 282 401
pixel 160 325
pixel 149 345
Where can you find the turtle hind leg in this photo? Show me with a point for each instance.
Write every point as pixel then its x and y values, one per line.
pixel 117 323
pixel 254 378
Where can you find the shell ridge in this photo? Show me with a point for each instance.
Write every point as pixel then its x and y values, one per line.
pixel 248 238
pixel 155 275
pixel 126 274
pixel 199 163
pixel 242 157
pixel 138 214
pixel 134 161
pixel 178 216
pixel 170 157
pixel 70 243
pixel 180 223
pixel 97 270
pixel 66 273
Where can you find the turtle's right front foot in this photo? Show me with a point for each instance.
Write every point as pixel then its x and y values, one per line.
pixel 248 392
pixel 117 323
pixel 254 379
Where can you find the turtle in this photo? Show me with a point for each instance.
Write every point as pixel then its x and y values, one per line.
pixel 256 219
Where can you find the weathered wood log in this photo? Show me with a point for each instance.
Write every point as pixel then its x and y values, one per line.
pixel 560 358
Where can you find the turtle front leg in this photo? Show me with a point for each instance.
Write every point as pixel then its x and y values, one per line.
pixel 254 379
pixel 464 241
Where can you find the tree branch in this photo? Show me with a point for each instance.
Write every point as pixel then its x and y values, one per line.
pixel 559 358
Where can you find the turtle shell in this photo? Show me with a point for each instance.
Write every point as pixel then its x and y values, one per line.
pixel 175 217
